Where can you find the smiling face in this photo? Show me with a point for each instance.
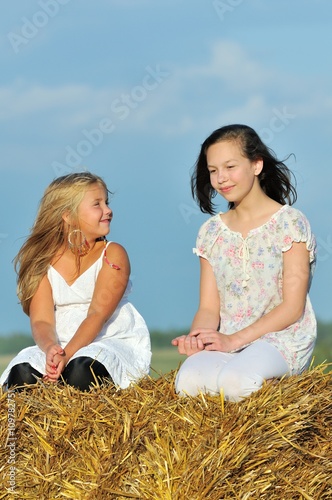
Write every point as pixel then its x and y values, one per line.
pixel 94 215
pixel 231 174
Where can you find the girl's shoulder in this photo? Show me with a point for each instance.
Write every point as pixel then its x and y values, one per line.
pixel 113 246
pixel 293 226
pixel 207 236
pixel 115 256
pixel 289 216
pixel 288 211
pixel 211 225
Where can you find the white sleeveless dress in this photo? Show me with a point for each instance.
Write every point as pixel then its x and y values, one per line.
pixel 122 346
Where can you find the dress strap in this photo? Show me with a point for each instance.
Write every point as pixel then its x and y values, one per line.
pixel 113 266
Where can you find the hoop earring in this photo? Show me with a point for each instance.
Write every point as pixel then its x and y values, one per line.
pixel 80 246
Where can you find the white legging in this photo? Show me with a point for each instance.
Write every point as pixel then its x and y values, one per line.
pixel 236 374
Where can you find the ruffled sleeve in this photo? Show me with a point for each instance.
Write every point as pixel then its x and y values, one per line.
pixel 297 229
pixel 207 236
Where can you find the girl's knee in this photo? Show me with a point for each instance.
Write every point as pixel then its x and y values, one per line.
pixel 83 372
pixel 199 373
pixel 186 382
pixel 236 385
pixel 23 374
pixel 195 376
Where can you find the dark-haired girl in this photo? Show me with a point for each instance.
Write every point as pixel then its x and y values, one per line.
pixel 255 320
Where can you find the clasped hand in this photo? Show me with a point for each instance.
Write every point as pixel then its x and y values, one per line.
pixel 201 339
pixel 56 361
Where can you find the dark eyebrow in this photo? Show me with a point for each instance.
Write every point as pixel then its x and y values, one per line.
pixel 225 163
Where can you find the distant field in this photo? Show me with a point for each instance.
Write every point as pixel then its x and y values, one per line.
pixel 4 360
pixel 163 361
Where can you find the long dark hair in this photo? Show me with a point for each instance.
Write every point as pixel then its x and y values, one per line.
pixel 274 179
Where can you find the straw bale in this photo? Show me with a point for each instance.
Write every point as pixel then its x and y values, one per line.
pixel 145 442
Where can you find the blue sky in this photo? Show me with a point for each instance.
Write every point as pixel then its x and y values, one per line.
pixel 129 89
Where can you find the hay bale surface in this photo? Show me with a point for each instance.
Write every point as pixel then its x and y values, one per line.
pixel 147 443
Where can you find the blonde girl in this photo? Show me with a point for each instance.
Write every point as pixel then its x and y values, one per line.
pixel 74 286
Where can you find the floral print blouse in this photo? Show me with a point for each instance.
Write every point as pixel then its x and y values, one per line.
pixel 248 273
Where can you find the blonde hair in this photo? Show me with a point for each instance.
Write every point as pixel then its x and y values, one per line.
pixel 48 234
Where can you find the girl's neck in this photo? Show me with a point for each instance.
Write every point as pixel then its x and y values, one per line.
pixel 244 217
pixel 255 205
pixel 245 213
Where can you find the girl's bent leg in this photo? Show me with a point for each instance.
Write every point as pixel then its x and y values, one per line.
pixel 83 372
pixel 247 371
pixel 199 373
pixel 22 374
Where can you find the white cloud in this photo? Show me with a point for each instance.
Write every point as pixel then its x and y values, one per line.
pixel 231 64
pixel 233 86
pixel 77 102
pixel 254 109
pixel 229 86
pixel 73 106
